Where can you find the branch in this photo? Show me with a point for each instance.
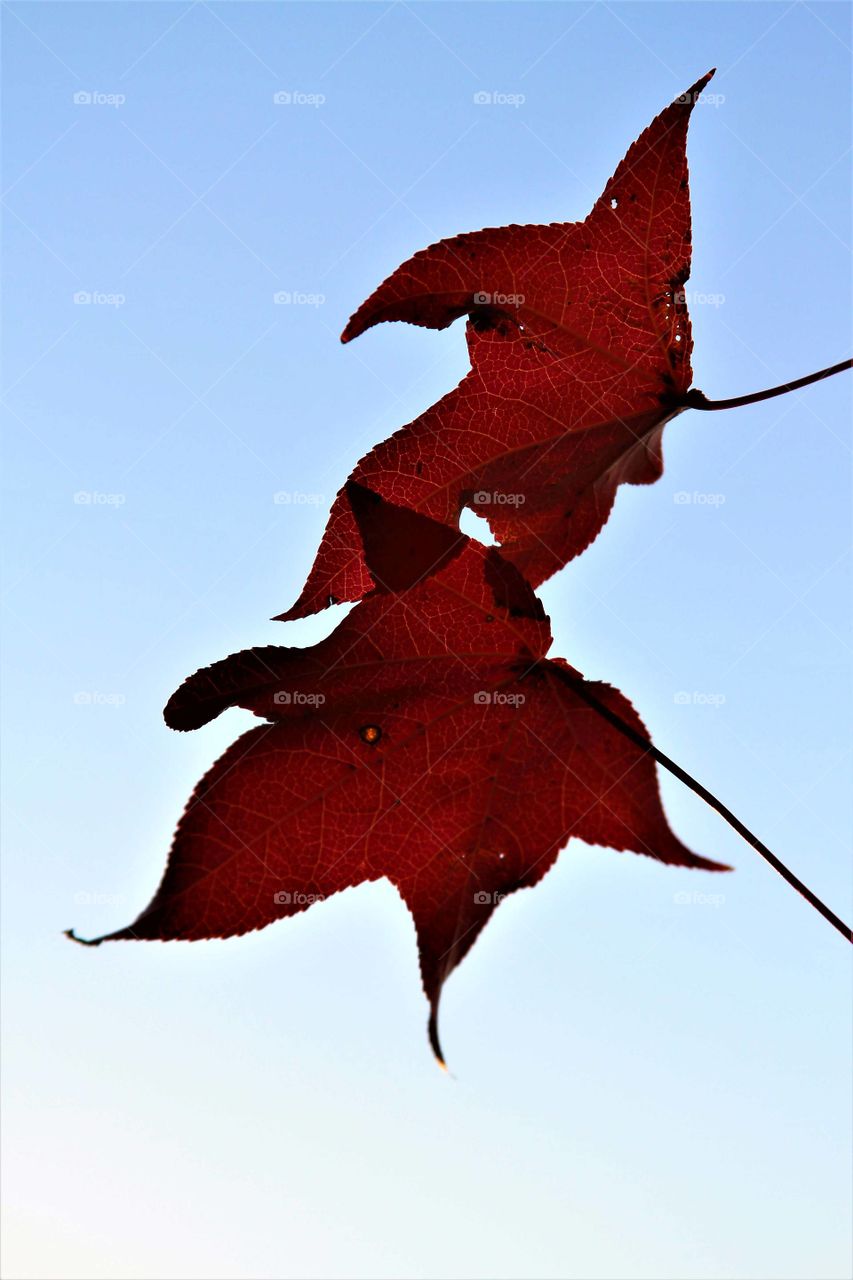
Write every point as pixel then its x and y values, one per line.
pixel 580 687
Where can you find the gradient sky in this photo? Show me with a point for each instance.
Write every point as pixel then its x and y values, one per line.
pixel 645 1088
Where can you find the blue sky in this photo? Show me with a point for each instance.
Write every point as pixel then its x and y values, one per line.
pixel 644 1087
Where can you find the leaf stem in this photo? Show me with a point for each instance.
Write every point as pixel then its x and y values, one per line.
pixel 698 400
pixel 579 687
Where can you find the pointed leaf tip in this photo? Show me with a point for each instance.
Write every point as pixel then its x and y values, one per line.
pixel 83 942
pixel 434 1042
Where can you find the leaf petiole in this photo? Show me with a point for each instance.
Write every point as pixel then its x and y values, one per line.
pixel 698 400
pixel 578 686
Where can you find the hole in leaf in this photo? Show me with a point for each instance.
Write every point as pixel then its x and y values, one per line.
pixel 476 526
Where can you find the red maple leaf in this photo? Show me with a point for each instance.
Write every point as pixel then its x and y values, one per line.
pixel 427 740
pixel 580 347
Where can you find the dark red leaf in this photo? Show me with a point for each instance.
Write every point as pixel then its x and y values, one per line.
pixel 580 347
pixel 427 740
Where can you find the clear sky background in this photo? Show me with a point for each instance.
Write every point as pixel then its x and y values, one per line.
pixel 645 1088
